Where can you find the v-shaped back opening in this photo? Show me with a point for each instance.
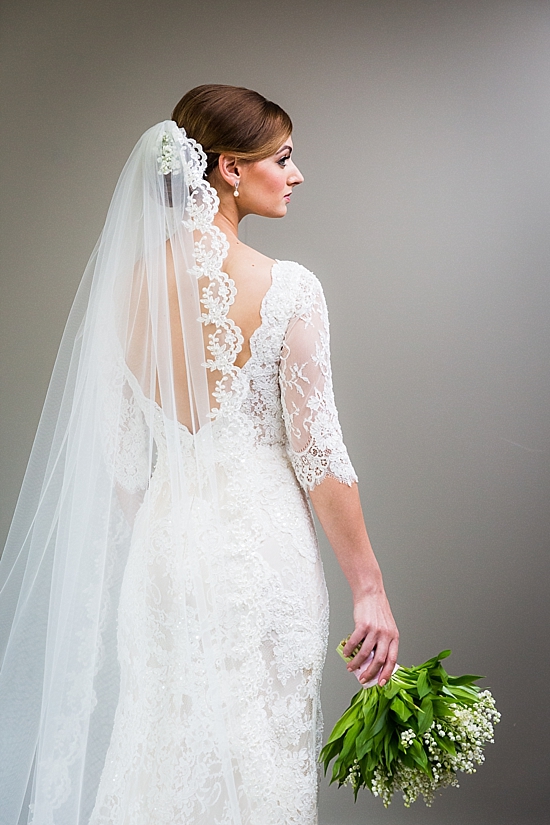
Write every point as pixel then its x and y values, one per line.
pixel 249 342
pixel 232 312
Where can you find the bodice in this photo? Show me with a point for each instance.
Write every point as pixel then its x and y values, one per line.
pixel 281 396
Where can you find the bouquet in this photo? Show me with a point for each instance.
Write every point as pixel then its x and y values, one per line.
pixel 413 735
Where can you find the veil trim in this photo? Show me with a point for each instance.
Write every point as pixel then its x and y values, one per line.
pixel 226 340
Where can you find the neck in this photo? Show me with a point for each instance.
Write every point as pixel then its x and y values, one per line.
pixel 228 223
pixel 229 215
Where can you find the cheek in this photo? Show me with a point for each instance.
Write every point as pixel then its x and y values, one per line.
pixel 271 181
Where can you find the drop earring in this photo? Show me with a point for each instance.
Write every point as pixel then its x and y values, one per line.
pixel 236 190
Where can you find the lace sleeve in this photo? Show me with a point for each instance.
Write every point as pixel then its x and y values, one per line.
pixel 315 445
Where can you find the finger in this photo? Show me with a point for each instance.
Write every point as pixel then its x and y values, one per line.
pixel 379 659
pixel 356 639
pixel 367 645
pixel 391 660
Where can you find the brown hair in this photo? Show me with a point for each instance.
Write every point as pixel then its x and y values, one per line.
pixel 232 120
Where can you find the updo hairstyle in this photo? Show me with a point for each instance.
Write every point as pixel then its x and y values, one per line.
pixel 232 120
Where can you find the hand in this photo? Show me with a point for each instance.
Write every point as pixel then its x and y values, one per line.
pixel 375 630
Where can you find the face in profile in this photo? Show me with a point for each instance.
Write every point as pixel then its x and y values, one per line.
pixel 265 186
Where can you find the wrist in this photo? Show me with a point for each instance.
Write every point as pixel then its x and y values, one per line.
pixel 367 587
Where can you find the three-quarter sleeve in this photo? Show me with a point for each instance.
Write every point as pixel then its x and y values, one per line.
pixel 314 437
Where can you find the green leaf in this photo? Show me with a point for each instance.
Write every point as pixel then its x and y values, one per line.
pixel 431 662
pixel 407 700
pixel 464 694
pixel 380 721
pixel 391 748
pixel 343 724
pixel 378 746
pixel 407 759
pixel 365 737
pixel 350 740
pixel 445 744
pixel 439 674
pixel 419 755
pixel 392 689
pixel 366 776
pixel 371 761
pixel 399 708
pixel 441 709
pixel 358 698
pixel 329 752
pixel 423 685
pixel 340 771
pixel 426 716
pixel 467 679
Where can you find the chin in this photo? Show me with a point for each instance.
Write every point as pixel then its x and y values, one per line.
pixel 281 211
pixel 272 213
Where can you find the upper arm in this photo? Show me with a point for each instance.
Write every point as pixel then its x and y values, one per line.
pixel 315 442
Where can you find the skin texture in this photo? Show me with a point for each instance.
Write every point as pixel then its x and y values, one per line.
pixel 265 188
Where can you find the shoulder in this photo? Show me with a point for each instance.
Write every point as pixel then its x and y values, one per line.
pixel 242 258
pixel 250 272
pixel 304 286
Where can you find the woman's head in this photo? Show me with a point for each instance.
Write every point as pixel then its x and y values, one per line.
pixel 231 120
pixel 248 145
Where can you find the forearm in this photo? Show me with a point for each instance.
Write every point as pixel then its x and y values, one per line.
pixel 338 508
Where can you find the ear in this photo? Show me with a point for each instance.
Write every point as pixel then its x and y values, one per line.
pixel 230 168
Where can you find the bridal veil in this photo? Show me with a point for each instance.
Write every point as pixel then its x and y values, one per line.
pixel 148 344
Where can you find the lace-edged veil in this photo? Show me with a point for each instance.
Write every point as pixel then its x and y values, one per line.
pixel 148 349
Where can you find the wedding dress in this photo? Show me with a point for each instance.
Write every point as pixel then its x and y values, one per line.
pixel 191 681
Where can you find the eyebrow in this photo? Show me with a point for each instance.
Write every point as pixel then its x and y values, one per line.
pixel 285 148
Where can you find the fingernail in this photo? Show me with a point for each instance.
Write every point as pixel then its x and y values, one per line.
pixel 382 683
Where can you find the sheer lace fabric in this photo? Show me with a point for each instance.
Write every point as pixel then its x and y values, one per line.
pixel 315 444
pixel 273 612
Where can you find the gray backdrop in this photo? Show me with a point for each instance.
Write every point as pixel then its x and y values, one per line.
pixel 423 131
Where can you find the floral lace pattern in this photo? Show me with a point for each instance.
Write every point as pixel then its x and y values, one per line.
pixel 315 444
pixel 164 762
pixel 225 339
pixel 288 393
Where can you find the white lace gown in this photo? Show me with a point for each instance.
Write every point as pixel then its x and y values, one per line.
pixel 279 438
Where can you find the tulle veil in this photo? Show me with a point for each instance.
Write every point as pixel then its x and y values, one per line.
pixel 148 347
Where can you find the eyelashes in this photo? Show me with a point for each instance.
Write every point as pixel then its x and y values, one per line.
pixel 282 161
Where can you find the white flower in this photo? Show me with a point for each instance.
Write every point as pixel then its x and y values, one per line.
pixel 168 160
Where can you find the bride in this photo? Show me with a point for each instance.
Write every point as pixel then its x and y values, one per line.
pixel 163 614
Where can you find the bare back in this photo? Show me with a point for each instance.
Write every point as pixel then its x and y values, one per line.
pixel 251 273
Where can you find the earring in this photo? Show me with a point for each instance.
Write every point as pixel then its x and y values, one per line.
pixel 236 190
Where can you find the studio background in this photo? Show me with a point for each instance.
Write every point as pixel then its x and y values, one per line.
pixel 423 132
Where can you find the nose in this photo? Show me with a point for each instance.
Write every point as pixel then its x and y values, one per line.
pixel 295 177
